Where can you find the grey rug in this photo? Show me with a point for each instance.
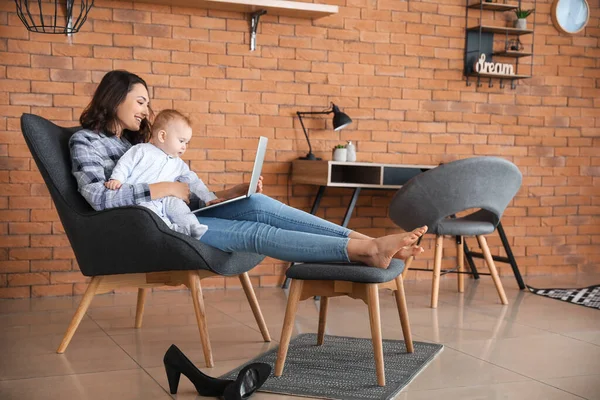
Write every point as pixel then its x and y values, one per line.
pixel 343 368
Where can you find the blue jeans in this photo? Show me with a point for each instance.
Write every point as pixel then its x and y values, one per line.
pixel 266 226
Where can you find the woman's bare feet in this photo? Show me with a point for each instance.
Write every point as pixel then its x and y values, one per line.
pixel 408 237
pixel 379 252
pixel 411 238
pixel 408 251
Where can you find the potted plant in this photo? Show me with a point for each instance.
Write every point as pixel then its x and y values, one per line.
pixel 521 22
pixel 339 153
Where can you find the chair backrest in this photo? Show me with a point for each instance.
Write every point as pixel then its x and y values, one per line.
pixel 49 146
pixel 488 183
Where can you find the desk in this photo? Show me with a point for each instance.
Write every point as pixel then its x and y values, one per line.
pixel 359 175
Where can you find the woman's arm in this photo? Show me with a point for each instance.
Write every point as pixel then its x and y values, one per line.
pixel 164 189
pixel 88 169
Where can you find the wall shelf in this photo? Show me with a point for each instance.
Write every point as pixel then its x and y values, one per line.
pixel 494 6
pixel 501 29
pixel 482 47
pixel 498 76
pixel 515 54
pixel 273 7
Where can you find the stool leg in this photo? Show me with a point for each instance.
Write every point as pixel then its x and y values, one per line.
pixel 437 270
pixel 493 271
pixel 460 257
pixel 374 318
pixel 322 319
pixel 403 311
pixel 288 324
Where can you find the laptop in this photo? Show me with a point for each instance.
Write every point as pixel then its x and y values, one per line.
pixel 256 171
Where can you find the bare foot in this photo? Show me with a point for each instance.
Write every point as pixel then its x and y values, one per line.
pixel 384 248
pixel 410 239
pixel 408 251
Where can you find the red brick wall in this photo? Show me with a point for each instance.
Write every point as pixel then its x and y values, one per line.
pixel 394 66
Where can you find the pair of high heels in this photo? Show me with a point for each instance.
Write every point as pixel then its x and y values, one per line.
pixel 249 379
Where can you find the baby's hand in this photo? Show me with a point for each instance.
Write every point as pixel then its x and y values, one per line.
pixel 113 184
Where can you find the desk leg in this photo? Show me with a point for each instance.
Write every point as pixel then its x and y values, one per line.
pixel 313 211
pixel 317 201
pixel 351 206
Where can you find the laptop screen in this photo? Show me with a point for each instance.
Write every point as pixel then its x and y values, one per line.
pixel 258 163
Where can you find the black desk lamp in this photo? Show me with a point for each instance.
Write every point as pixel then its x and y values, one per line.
pixel 340 121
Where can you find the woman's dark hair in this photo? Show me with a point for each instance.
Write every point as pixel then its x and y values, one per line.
pixel 101 114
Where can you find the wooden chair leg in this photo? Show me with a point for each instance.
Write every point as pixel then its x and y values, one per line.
pixel 403 312
pixel 139 311
pixel 288 324
pixel 460 257
pixel 375 320
pixel 322 319
pixel 407 263
pixel 493 271
pixel 437 269
pixel 249 290
pixel 196 290
pixel 79 313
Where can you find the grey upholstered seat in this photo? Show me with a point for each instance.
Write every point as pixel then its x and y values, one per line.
pixel 141 245
pixel 353 272
pixel 483 184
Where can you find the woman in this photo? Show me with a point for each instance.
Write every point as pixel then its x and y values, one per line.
pixel 117 118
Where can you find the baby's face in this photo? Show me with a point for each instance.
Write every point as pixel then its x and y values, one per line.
pixel 174 139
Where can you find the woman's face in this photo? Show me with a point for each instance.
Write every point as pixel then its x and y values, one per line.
pixel 133 110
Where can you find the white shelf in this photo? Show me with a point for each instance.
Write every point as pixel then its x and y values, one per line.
pixel 274 7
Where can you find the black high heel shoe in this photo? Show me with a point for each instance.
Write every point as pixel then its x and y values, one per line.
pixel 176 363
pixel 249 379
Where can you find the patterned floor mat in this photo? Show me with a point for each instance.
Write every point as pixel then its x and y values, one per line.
pixel 588 296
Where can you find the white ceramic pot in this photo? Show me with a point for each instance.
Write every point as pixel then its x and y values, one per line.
pixel 521 23
pixel 339 155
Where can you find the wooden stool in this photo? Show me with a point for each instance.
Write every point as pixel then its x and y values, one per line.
pixel 353 280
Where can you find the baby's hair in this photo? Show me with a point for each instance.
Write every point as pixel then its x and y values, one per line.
pixel 165 117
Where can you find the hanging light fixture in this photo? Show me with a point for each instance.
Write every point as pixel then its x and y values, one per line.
pixel 54 16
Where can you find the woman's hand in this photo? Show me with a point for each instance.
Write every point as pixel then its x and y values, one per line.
pixel 163 189
pixel 238 190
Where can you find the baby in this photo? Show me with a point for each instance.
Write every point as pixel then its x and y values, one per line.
pixel 158 161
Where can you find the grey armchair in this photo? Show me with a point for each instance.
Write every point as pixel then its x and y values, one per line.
pixel 435 196
pixel 144 252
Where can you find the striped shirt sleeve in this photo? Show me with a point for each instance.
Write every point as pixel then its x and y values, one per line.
pixel 91 162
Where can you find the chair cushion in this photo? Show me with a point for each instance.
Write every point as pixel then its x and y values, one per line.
pixel 463 227
pixel 351 272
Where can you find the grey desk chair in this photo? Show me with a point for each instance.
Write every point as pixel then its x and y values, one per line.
pixel 433 197
pixel 144 252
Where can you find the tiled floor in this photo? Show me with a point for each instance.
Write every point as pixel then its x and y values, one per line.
pixel 535 348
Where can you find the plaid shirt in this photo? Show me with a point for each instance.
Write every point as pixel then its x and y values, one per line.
pixel 94 156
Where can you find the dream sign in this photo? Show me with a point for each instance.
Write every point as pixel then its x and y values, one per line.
pixel 483 67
